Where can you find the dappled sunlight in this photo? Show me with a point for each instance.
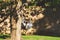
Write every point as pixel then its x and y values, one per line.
pixel 30 19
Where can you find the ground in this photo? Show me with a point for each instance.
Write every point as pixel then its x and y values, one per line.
pixel 36 37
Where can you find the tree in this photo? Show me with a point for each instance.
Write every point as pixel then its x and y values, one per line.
pixel 12 8
pixel 16 28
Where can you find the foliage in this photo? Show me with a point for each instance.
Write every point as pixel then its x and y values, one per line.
pixel 12 7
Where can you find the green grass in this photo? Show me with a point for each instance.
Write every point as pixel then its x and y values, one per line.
pixel 36 37
pixel 1 39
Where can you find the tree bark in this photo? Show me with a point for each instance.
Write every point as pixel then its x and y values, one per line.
pixel 18 31
pixel 13 29
pixel 16 27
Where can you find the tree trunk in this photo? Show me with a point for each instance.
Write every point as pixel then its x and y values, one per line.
pixel 18 31
pixel 16 27
pixel 13 29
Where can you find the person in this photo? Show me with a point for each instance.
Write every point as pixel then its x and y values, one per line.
pixel 29 25
pixel 23 24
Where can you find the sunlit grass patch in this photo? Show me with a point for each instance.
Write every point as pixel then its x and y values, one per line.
pixel 35 37
pixel 32 37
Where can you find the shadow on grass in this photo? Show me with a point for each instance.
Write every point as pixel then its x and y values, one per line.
pixel 49 34
pixel 4 36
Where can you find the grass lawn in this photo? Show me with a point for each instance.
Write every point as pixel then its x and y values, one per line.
pixel 36 37
pixel 1 39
